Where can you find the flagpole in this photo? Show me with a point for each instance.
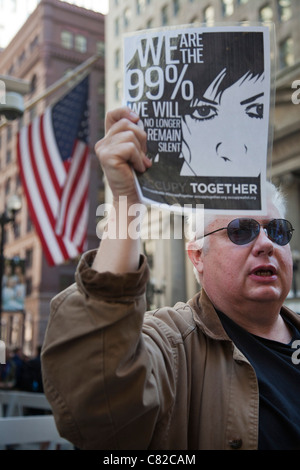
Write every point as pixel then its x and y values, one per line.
pixel 58 84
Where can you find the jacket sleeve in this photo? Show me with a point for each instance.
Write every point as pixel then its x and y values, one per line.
pixel 99 371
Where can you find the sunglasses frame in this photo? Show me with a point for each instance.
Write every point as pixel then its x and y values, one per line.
pixel 259 226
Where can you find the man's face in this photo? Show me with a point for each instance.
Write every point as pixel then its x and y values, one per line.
pixel 243 275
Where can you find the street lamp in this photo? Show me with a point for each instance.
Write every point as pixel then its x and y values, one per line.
pixel 13 205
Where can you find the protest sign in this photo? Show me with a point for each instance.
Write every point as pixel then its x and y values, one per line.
pixel 203 95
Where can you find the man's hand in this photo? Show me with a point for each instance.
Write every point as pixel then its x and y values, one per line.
pixel 122 149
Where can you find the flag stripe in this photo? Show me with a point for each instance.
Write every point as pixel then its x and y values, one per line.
pixel 38 216
pixel 45 130
pixel 53 157
pixel 77 191
pixel 75 174
pixel 79 228
pixel 42 168
pixel 77 203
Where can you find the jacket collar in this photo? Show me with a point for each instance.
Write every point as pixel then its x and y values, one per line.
pixel 207 319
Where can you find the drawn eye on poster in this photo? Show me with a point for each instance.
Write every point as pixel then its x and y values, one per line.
pixel 203 96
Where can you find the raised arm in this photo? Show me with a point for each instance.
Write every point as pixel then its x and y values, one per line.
pixel 121 150
pixel 109 378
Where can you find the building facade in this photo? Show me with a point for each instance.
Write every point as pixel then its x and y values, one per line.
pixel 56 38
pixel 14 13
pixel 172 279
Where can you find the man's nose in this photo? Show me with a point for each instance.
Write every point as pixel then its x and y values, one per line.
pixel 263 244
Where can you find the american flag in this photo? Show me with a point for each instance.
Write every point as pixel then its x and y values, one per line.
pixel 53 156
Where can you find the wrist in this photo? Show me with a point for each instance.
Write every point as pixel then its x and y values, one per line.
pixel 125 219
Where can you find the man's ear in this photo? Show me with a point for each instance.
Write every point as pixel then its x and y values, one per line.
pixel 195 253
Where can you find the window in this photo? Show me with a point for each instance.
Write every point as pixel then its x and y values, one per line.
pixel 100 46
pixel 117 58
pixel 227 7
pixel 101 111
pixel 284 10
pixel 29 224
pixel 140 6
pixel 176 7
pixel 80 43
pixel 34 43
pixel 286 53
pixel 29 258
pixel 118 89
pixel 209 14
pixel 117 26
pixel 126 17
pixel 8 157
pixel 266 13
pixel 21 58
pixel 66 39
pixel 101 86
pixel 164 15
pixel 33 84
pixel 28 283
pixel 9 133
pixel 7 186
pixel 17 229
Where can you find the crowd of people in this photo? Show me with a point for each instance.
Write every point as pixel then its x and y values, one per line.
pixel 21 372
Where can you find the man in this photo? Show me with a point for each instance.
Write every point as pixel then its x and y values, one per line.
pixel 214 373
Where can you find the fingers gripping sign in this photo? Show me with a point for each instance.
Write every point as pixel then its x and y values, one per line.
pixel 122 149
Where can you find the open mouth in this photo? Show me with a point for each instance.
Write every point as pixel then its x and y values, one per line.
pixel 263 273
pixel 266 271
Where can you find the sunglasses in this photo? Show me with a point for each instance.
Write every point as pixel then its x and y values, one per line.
pixel 243 231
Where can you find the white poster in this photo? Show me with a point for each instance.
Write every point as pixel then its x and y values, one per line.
pixel 203 96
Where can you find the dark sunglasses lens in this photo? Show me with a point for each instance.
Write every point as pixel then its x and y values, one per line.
pixel 280 231
pixel 242 231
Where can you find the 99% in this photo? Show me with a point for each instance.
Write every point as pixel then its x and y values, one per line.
pixel 154 80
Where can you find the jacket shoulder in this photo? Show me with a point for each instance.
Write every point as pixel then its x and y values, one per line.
pixel 177 321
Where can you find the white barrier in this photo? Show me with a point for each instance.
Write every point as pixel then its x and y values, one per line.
pixel 20 430
pixel 15 402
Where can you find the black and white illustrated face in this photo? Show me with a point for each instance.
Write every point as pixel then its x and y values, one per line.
pixel 224 132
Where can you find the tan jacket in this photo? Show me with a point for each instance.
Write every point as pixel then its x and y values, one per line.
pixel 171 379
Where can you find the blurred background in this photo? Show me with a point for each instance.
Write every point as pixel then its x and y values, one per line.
pixel 46 47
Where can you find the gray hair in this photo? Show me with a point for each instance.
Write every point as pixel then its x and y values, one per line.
pixel 197 224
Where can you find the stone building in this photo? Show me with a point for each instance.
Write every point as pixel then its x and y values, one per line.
pixel 56 38
pixel 171 275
